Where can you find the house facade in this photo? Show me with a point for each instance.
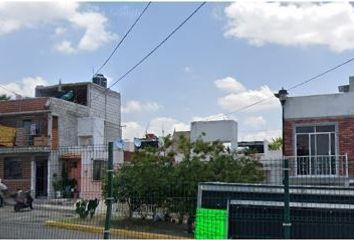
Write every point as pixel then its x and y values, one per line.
pixel 319 137
pixel 50 133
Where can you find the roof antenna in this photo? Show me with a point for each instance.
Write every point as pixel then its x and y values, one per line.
pixel 59 86
pixel 147 127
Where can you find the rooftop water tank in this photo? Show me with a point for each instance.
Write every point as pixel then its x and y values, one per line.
pixel 99 79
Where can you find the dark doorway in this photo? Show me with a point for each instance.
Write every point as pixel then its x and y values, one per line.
pixel 41 178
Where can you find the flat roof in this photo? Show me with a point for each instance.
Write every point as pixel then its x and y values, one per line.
pixel 74 84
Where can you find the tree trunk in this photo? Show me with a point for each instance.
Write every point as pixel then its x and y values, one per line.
pixel 180 218
pixel 190 223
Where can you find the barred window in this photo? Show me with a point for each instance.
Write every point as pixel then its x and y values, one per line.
pixel 99 167
pixel 12 168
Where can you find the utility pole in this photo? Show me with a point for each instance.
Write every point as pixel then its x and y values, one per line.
pixel 109 198
pixel 282 95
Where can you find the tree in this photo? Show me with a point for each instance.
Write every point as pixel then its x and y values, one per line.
pixel 145 181
pixel 153 178
pixel 4 97
pixel 276 144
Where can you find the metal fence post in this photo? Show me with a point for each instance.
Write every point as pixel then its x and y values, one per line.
pixel 109 197
pixel 286 223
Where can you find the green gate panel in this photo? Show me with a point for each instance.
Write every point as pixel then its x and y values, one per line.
pixel 211 224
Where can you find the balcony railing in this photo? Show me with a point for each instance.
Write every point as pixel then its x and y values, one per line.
pixel 318 165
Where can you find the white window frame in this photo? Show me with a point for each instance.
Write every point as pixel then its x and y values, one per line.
pixel 310 174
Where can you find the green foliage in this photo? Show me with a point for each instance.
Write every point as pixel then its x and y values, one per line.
pixel 58 185
pixel 4 97
pixel 153 177
pixel 276 144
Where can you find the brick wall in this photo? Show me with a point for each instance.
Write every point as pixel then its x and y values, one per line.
pixel 23 183
pixel 345 135
pixel 31 104
pixel 23 135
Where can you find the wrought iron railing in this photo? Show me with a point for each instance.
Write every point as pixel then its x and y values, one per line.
pixel 318 165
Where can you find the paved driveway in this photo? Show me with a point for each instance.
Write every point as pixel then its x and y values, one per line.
pixel 30 224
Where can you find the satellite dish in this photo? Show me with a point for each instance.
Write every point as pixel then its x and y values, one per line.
pixel 120 144
pixel 137 142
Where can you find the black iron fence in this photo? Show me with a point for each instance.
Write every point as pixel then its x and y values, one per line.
pixel 240 197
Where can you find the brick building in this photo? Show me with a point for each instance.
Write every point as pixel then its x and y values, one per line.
pixel 41 135
pixel 319 137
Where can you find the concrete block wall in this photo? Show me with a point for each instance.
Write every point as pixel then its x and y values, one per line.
pixel 106 107
pixel 219 130
pixel 112 132
pixel 68 114
pixel 97 101
pixel 91 127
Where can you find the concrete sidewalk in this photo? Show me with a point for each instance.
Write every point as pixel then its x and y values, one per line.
pixel 67 205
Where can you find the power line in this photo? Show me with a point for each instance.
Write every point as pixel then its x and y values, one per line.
pixel 249 106
pixel 8 90
pixel 159 45
pixel 321 74
pixel 295 86
pixel 121 41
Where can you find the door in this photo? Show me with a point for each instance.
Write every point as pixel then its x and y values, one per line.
pixel 26 124
pixel 41 178
pixel 303 154
pixel 316 154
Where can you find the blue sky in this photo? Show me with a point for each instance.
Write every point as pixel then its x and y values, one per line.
pixel 229 55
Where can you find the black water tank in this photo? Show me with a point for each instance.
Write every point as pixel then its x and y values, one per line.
pixel 99 79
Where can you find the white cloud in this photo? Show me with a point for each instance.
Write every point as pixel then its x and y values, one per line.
pixel 255 121
pixel 292 24
pixel 15 16
pixel 167 124
pixel 131 130
pixel 156 125
pixel 240 97
pixel 25 88
pixel 259 135
pixel 187 69
pixel 229 84
pixel 95 30
pixel 60 30
pixel 136 106
pixel 65 47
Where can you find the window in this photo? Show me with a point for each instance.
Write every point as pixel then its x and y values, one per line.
pixel 85 141
pixel 316 150
pixel 12 168
pixel 99 167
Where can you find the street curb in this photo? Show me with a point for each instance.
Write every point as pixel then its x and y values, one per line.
pixel 54 207
pixel 117 232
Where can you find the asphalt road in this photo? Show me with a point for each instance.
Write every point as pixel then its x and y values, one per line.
pixel 31 224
